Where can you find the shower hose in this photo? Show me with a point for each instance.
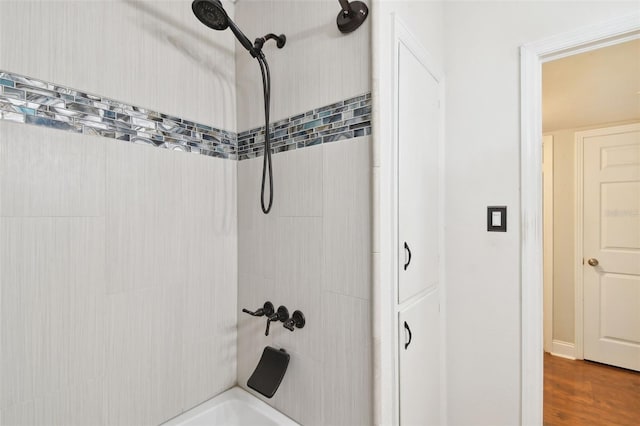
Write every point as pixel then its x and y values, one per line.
pixel 266 164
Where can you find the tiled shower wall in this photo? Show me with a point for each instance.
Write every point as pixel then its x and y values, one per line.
pixel 153 54
pixel 118 261
pixel 118 270
pixel 313 251
pixel 317 66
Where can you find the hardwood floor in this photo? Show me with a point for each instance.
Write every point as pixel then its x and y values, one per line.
pixel 590 394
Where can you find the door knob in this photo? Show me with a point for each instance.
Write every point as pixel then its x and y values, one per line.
pixel 593 261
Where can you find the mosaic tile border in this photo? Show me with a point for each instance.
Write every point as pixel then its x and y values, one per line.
pixel 32 101
pixel 346 119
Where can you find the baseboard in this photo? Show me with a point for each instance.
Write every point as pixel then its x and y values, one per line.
pixel 563 349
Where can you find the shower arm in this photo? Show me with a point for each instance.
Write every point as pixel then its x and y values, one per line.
pixel 352 15
pixel 346 7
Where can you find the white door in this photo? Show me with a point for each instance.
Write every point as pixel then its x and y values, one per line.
pixel 420 362
pixel 611 245
pixel 418 122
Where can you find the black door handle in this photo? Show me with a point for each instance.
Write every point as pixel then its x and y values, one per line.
pixel 406 327
pixel 408 250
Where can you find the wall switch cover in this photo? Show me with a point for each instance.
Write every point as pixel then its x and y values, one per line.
pixel 497 219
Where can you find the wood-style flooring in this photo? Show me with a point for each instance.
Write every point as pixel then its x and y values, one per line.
pixel 589 394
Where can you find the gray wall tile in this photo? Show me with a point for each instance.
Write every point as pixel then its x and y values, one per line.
pixel 128 317
pixel 53 311
pixel 284 257
pixel 45 173
pixel 347 218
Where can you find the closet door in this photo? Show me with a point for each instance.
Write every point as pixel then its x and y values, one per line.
pixel 418 201
pixel 419 355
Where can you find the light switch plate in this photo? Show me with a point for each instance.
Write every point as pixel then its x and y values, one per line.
pixel 497 219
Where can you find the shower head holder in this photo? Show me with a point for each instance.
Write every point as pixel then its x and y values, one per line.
pixel 212 14
pixel 280 40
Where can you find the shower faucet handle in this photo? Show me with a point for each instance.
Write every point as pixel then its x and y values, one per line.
pixel 282 314
pixel 267 309
pixel 296 321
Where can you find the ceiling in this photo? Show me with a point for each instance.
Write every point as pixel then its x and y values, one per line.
pixel 592 88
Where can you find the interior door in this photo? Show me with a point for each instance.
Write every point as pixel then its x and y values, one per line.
pixel 418 221
pixel 420 362
pixel 611 239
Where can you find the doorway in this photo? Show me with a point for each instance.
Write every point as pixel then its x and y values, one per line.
pixel 533 55
pixel 591 116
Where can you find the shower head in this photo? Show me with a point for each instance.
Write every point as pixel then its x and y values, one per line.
pixel 212 14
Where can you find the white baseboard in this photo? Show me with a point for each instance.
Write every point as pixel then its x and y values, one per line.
pixel 563 349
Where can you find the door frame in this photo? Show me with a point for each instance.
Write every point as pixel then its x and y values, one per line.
pixel 548 230
pixel 532 56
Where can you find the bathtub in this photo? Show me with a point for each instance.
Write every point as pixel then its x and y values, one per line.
pixel 235 407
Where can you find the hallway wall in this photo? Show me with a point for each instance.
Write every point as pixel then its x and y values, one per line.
pixel 482 61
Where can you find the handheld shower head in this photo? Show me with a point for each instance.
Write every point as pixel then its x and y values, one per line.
pixel 212 14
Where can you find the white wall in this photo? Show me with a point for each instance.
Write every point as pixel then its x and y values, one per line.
pixel 118 262
pixel 483 139
pixel 318 65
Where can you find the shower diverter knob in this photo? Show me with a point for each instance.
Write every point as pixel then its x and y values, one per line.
pixel 281 315
pixel 296 321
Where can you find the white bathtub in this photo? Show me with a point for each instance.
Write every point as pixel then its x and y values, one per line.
pixel 235 407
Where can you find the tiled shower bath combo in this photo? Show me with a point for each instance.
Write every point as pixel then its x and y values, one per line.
pixel 42 104
pixel 134 279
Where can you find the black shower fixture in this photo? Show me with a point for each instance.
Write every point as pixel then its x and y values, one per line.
pixel 351 16
pixel 212 14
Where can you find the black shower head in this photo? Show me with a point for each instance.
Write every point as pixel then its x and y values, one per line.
pixel 212 14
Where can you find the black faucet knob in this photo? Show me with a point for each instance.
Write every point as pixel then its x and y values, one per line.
pixel 296 321
pixel 267 309
pixel 282 314
pixel 289 324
